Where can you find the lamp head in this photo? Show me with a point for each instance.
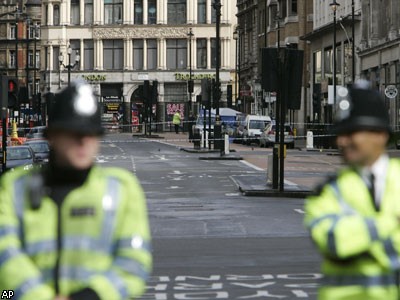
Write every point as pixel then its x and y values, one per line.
pixel 334 5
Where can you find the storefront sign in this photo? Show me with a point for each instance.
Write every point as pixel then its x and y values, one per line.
pixel 183 76
pixel 112 104
pixel 94 77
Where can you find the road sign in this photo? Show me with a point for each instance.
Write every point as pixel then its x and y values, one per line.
pixel 391 91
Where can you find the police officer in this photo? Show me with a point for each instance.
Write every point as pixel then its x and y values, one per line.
pixel 73 230
pixel 354 217
pixel 176 120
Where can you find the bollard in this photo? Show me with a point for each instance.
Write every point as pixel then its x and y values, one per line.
pixel 196 139
pixel 310 140
pixel 226 146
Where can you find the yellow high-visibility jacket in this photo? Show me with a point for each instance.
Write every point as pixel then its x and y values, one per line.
pixel 176 119
pixel 104 242
pixel 360 244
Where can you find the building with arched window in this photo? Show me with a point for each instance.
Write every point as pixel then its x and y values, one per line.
pixel 121 44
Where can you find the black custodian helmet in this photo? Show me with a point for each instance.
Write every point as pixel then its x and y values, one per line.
pixel 360 108
pixel 76 109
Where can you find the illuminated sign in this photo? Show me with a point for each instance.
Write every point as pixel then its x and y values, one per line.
pixel 183 76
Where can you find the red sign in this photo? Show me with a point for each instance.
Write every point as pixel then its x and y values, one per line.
pixel 245 93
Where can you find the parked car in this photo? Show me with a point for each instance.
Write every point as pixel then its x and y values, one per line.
pixel 253 128
pixel 41 149
pixel 269 134
pixel 20 156
pixel 36 132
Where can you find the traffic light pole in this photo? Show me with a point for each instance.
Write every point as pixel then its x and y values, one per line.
pixel 4 101
pixel 217 89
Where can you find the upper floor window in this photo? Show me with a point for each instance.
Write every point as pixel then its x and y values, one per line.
pixel 151 54
pixel 75 12
pixel 75 47
pixel 88 55
pixel 113 53
pixel 176 54
pixel 113 11
pixel 88 12
pixel 152 13
pixel 56 55
pixel 34 31
pixel 213 14
pixel 56 15
pixel 138 54
pixel 293 7
pixel 33 59
pixel 12 33
pixel 176 11
pixel 138 15
pixel 201 53
pixel 11 59
pixel 201 11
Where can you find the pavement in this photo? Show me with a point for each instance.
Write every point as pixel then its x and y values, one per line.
pixel 304 168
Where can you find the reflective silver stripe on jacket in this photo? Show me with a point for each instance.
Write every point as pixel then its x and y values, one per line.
pixel 8 230
pixel 132 267
pixel 110 203
pixel 26 286
pixel 83 274
pixel 392 254
pixel 8 254
pixel 135 242
pixel 359 280
pixel 19 202
pixel 347 210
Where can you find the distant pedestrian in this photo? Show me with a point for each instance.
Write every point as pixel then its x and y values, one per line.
pixel 176 120
pixel 354 218
pixel 191 124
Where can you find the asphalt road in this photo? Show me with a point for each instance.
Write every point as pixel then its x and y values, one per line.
pixel 209 241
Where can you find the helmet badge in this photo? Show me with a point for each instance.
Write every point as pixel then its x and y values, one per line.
pixel 84 103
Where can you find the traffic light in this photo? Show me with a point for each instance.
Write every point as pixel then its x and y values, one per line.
pixel 190 86
pixel 12 88
pixel 205 92
pixel 154 92
pixel 229 95
pixel 3 92
pixel 146 91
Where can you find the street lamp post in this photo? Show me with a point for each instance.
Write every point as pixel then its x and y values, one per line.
pixel 236 37
pixel 334 5
pixel 70 66
pixel 190 82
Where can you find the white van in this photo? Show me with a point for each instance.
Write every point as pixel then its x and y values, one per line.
pixel 254 126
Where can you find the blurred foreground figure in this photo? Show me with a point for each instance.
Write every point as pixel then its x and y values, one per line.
pixel 354 218
pixel 73 230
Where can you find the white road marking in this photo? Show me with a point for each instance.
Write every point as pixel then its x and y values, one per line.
pixel 174 187
pixel 133 164
pixel 161 157
pixel 232 194
pixel 300 211
pixel 251 165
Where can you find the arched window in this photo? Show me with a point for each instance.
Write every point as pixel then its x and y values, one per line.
pixel 56 15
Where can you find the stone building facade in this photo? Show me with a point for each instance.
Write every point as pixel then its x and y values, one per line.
pixel 379 50
pixel 20 55
pixel 123 43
